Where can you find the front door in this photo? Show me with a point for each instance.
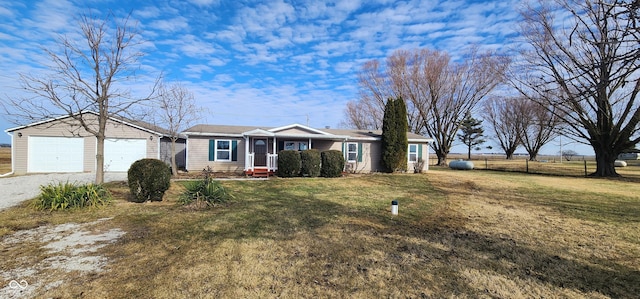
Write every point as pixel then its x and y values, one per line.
pixel 260 152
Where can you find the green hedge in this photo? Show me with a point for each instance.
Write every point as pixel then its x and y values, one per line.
pixel 310 161
pixel 148 180
pixel 288 163
pixel 332 164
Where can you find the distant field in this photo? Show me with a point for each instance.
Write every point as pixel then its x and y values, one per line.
pixel 550 165
pixel 5 160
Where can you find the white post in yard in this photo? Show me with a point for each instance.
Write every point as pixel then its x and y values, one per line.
pixel 394 207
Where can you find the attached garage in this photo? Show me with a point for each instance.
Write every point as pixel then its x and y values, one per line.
pixel 119 154
pixel 55 154
pixel 63 145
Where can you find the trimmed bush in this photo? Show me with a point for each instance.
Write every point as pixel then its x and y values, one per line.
pixel 332 164
pixel 310 163
pixel 148 180
pixel 288 163
pixel 69 196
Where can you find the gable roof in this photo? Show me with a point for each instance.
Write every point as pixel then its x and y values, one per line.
pixel 141 125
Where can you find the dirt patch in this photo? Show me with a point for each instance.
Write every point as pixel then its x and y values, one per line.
pixel 64 248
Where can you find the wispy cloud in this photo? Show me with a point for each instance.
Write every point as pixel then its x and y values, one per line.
pixel 272 62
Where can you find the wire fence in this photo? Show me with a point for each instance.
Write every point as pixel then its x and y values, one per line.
pixel 577 166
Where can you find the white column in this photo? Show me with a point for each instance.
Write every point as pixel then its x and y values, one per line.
pixel 246 153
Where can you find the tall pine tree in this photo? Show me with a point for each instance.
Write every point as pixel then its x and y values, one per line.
pixel 389 137
pixel 402 127
pixel 471 132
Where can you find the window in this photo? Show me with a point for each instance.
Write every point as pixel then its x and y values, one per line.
pixel 296 146
pixel 352 152
pixel 413 153
pixel 223 150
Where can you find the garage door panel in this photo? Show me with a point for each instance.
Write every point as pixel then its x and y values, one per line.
pixel 55 154
pixel 119 154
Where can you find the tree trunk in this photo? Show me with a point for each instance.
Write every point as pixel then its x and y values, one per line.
pixel 605 163
pixel 469 153
pixel 174 165
pixel 509 154
pixel 100 160
pixel 442 158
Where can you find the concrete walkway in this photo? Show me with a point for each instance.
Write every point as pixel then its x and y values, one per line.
pixel 16 189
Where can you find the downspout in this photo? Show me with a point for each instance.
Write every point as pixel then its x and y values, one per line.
pixel 158 151
pixel 13 155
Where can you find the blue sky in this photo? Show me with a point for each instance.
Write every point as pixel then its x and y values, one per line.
pixel 265 63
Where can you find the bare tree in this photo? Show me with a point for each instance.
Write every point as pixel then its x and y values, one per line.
pixel 438 92
pixel 86 75
pixel 177 112
pixel 590 60
pixel 505 119
pixel 538 125
pixel 452 89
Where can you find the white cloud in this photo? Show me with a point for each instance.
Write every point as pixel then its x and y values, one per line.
pixel 170 25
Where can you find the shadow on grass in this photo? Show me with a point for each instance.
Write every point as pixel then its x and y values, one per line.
pixel 280 214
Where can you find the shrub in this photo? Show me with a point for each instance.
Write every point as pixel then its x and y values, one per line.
pixel 205 191
pixel 288 163
pixel 310 163
pixel 148 180
pixel 68 196
pixel 332 164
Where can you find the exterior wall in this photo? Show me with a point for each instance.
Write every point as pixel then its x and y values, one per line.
pixel 181 152
pixel 66 128
pixel 371 154
pixel 198 155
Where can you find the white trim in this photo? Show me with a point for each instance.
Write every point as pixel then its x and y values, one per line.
pixel 213 135
pixel 347 151
pixel 258 133
pixel 215 151
pixel 409 152
pixel 81 112
pixel 186 155
pixel 299 126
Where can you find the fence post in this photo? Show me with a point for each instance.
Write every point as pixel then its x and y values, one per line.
pixel 486 165
pixel 527 165
pixel 585 168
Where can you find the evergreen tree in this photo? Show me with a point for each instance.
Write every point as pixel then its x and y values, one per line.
pixel 402 127
pixel 471 132
pixel 389 137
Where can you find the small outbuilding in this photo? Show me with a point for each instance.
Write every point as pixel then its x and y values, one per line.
pixel 63 145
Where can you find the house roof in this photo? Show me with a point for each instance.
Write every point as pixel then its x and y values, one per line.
pixel 145 126
pixel 241 131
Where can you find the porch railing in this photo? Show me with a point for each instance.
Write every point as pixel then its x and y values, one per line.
pixel 248 163
pixel 272 162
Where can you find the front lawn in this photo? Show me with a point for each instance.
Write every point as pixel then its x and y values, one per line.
pixel 458 233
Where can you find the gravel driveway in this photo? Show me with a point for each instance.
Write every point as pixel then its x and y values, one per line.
pixel 14 190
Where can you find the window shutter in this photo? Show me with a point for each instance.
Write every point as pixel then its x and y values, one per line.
pixel 234 150
pixel 359 151
pixel 212 150
pixel 419 151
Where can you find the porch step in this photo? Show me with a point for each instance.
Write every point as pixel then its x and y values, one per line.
pixel 260 173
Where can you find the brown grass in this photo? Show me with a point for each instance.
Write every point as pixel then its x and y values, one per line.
pixel 462 234
pixel 5 160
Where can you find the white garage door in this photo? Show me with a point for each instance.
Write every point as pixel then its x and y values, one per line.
pixel 119 154
pixel 55 154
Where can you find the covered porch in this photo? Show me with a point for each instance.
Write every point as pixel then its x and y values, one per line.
pixel 262 147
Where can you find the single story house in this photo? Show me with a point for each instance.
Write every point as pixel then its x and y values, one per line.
pixel 254 150
pixel 63 145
